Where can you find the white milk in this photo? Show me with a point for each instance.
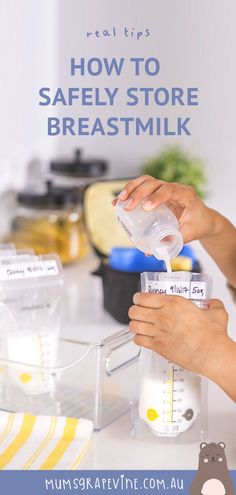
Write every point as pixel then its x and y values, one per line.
pixel 38 349
pixel 169 407
pixel 163 254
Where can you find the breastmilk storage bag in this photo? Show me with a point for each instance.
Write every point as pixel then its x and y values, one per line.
pixel 8 254
pixel 30 316
pixel 170 399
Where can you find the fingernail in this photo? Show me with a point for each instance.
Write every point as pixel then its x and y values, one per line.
pixel 123 194
pixel 129 204
pixel 148 205
pixel 136 297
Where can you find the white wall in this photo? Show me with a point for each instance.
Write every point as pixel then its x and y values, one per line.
pixel 195 42
pixel 28 58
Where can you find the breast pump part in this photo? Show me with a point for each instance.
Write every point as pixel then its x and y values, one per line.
pixel 170 397
pixel 154 232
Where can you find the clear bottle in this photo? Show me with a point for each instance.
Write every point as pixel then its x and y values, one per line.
pixel 154 232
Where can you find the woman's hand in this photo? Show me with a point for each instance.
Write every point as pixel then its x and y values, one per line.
pixel 195 339
pixel 178 330
pixel 195 218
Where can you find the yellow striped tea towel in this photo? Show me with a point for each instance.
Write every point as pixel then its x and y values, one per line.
pixel 42 442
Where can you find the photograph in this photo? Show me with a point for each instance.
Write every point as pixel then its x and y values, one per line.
pixel 118 246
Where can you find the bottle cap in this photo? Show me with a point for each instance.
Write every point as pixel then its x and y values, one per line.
pixel 79 167
pixel 49 196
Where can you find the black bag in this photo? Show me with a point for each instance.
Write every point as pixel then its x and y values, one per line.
pixel 118 290
pixel 104 233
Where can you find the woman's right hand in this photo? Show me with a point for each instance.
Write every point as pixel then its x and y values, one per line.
pixel 196 220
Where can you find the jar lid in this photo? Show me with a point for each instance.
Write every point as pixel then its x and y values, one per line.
pixel 49 196
pixel 79 167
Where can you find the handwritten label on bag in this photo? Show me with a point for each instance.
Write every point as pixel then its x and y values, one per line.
pixel 189 290
pixel 198 290
pixel 31 269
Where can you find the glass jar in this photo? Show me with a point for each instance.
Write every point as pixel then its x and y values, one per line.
pixel 7 209
pixel 49 219
pixel 171 402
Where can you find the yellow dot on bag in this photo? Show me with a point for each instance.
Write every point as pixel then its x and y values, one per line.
pixel 152 414
pixel 1 369
pixel 25 377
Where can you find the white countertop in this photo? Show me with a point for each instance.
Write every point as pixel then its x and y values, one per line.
pixel 113 447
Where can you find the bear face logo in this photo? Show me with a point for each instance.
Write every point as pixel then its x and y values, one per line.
pixel 213 477
pixel 212 453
